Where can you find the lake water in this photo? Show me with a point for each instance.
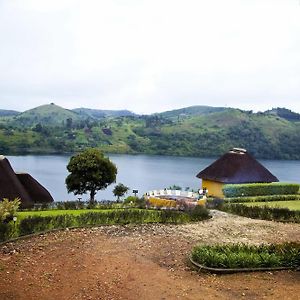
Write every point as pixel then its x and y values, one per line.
pixel 141 172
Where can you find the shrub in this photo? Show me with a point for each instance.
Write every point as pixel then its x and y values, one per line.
pixel 214 203
pixel 260 189
pixel 7 231
pixel 262 198
pixel 247 256
pixel 135 201
pixel 8 209
pixel 198 213
pixel 157 202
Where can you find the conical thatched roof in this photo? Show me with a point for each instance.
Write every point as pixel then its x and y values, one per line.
pixel 10 186
pixel 36 191
pixel 21 185
pixel 237 166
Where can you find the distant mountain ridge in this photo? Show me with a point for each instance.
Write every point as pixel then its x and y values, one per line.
pixel 102 113
pixel 284 113
pixel 191 111
pixel 201 131
pixel 8 113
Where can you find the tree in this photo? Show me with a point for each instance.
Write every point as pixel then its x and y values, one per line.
pixel 120 190
pixel 90 171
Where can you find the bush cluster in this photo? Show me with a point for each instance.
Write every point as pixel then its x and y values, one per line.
pixel 247 256
pixel 8 209
pixel 157 202
pixel 260 189
pixel 134 201
pixel 263 212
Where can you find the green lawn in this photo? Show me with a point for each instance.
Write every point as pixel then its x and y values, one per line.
pixel 292 205
pixel 43 213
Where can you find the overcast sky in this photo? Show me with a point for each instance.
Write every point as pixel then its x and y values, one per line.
pixel 150 55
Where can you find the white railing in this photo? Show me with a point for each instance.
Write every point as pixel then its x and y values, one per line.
pixel 177 193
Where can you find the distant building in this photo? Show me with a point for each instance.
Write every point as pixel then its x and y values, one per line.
pixel 236 166
pixel 21 185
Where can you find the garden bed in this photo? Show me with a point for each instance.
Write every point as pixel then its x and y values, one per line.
pixel 246 258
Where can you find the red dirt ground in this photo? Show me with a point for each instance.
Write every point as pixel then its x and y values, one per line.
pixel 141 262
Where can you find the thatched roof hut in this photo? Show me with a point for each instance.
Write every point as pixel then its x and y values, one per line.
pixel 236 166
pixel 35 190
pixel 21 186
pixel 10 186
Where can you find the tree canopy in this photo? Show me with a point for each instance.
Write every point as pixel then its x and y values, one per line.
pixel 120 190
pixel 90 171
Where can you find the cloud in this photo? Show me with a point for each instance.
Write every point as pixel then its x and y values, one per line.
pixel 150 56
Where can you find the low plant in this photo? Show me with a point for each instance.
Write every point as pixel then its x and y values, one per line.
pixel 159 203
pixel 8 209
pixel 247 256
pixel 260 189
pixel 265 198
pixel 263 212
pixel 134 201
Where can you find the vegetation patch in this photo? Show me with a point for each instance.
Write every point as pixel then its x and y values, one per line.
pixel 63 219
pixel 267 198
pixel 262 212
pixel 292 205
pixel 157 202
pixel 236 256
pixel 260 189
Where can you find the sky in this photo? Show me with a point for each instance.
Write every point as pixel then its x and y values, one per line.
pixel 150 55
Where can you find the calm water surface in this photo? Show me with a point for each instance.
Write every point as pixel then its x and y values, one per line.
pixel 140 172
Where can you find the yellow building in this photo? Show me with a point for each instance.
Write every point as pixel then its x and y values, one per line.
pixel 236 166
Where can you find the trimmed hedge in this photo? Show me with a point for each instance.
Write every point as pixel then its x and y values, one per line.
pixel 235 256
pixel 263 213
pixel 36 224
pixel 260 189
pixel 262 198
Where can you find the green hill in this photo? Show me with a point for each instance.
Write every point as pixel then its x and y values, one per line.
pixel 284 113
pixel 191 111
pixel 193 131
pixel 99 113
pixel 8 113
pixel 46 115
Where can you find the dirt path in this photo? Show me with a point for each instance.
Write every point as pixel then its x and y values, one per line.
pixel 141 262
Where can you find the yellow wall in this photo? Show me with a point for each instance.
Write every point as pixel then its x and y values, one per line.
pixel 214 188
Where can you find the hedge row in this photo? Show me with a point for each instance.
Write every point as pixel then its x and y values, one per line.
pixel 260 189
pixel 263 212
pixel 36 224
pixel 262 198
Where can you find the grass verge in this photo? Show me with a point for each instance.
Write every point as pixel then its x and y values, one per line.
pixel 292 205
pixel 35 222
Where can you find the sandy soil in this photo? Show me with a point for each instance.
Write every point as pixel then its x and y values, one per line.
pixel 141 262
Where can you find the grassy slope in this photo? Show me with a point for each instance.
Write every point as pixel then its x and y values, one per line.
pixel 292 205
pixel 195 131
pixel 49 114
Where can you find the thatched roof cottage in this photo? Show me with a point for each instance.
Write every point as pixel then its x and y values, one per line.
pixel 21 185
pixel 236 166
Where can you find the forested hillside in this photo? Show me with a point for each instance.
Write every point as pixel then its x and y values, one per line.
pixel 194 131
